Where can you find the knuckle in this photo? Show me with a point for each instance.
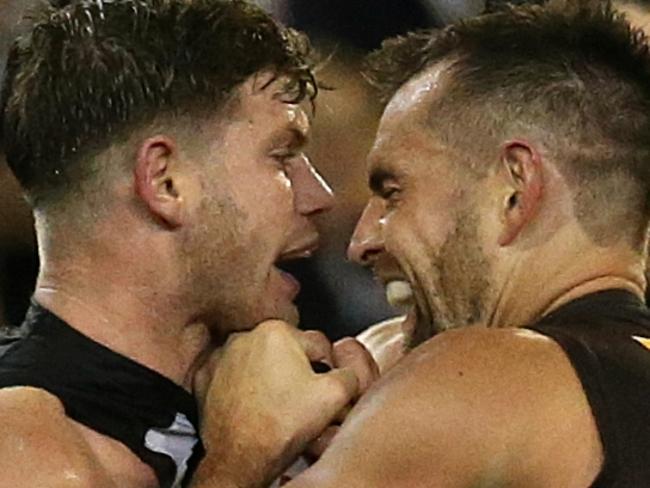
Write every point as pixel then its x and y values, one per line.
pixel 273 327
pixel 316 336
pixel 349 345
pixel 338 388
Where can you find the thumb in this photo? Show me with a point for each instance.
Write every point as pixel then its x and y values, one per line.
pixel 336 389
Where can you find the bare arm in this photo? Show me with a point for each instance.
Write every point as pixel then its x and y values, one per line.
pixel 470 408
pixel 40 447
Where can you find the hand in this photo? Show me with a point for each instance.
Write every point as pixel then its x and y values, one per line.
pixel 264 403
pixel 346 353
pixel 386 342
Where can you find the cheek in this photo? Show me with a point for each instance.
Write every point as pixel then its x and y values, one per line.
pixel 274 203
pixel 265 199
pixel 418 232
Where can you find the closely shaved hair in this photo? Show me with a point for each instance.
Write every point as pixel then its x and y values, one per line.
pixel 571 75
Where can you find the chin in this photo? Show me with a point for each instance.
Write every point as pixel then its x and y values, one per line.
pixel 290 315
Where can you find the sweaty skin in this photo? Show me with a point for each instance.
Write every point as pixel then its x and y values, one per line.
pixel 475 406
pixel 208 195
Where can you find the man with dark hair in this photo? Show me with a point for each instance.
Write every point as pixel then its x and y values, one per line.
pixel 161 146
pixel 510 177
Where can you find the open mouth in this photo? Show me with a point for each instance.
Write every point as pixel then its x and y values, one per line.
pixel 290 263
pixel 399 294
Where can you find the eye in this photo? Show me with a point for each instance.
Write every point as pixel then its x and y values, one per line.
pixel 391 194
pixel 283 159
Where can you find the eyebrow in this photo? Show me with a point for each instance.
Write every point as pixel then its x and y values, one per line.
pixel 299 138
pixel 378 177
pixel 296 137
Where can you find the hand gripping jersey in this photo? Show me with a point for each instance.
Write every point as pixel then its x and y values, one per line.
pixel 107 392
pixel 606 336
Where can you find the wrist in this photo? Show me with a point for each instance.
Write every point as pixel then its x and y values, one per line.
pixel 207 478
pixel 214 472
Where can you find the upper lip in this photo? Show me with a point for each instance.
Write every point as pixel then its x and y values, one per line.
pixel 302 249
pixel 387 269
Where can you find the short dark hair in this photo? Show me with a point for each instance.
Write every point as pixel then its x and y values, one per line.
pixel 574 71
pixel 88 71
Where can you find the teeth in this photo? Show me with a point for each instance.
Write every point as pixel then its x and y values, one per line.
pixel 399 293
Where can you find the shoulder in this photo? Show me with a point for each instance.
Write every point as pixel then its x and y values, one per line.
pixel 501 406
pixel 40 446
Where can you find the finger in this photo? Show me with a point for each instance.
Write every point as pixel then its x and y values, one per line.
pixel 350 353
pixel 203 377
pixel 335 390
pixel 317 447
pixel 316 345
pixel 343 413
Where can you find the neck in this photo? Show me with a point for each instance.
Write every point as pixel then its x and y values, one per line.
pixel 145 323
pixel 544 280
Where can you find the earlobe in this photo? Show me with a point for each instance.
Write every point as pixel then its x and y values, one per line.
pixel 522 166
pixel 155 182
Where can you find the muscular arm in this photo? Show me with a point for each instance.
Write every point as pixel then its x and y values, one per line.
pixel 470 408
pixel 40 447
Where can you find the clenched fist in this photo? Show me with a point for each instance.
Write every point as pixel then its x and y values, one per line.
pixel 262 403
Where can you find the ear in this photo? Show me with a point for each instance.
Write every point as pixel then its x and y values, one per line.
pixel 522 164
pixel 155 182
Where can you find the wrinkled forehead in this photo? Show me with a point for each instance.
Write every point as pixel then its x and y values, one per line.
pixel 259 108
pixel 256 119
pixel 265 95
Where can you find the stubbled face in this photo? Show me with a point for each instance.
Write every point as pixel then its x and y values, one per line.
pixel 420 229
pixel 258 193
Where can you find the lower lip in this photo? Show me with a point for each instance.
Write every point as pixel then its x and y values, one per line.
pixel 410 322
pixel 293 286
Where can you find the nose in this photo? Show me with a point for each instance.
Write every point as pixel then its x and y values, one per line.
pixel 312 194
pixel 367 241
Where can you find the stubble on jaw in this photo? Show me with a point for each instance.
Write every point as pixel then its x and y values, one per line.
pixel 457 284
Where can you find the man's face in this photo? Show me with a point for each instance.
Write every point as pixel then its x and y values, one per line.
pixel 420 229
pixel 258 195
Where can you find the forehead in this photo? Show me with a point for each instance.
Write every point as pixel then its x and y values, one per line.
pixel 261 105
pixel 403 129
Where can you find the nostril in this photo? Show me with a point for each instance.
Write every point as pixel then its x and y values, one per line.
pixel 362 253
pixel 369 256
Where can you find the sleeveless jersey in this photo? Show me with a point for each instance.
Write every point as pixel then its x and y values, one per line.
pixel 606 336
pixel 107 392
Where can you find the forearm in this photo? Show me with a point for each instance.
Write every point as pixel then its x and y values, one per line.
pixel 217 472
pixel 214 483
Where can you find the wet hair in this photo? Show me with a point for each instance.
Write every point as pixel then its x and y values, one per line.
pixel 88 72
pixel 572 75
